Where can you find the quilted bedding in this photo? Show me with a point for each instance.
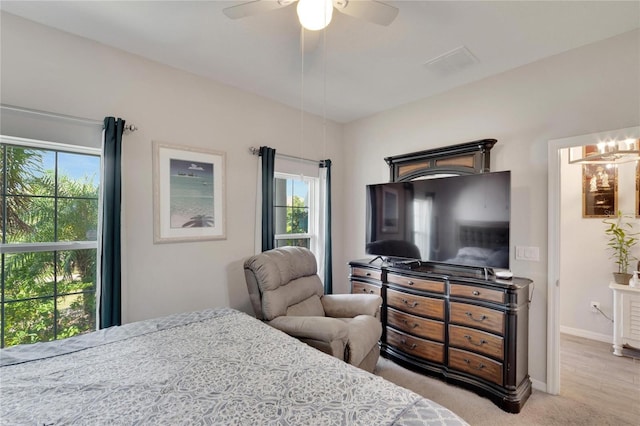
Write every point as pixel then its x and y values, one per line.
pixel 216 366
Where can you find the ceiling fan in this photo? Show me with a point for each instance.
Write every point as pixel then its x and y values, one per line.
pixel 316 14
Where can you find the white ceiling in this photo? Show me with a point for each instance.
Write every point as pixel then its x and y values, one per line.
pixel 365 68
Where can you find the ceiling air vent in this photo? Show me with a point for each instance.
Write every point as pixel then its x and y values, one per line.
pixel 451 62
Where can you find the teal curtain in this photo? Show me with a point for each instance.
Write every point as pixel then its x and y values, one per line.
pixel 268 156
pixel 328 265
pixel 110 267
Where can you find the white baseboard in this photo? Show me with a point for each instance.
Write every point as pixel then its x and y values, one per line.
pixel 538 385
pixel 586 334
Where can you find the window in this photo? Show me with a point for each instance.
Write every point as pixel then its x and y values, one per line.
pixel 296 211
pixel 422 211
pixel 49 206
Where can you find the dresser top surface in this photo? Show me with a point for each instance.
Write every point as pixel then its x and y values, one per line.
pixel 445 272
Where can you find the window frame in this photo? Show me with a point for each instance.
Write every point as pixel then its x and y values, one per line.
pixel 313 205
pixel 54 246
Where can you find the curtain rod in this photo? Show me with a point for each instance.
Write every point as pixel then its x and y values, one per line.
pixel 256 151
pixel 128 127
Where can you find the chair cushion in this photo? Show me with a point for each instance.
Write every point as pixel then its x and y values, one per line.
pixel 276 302
pixel 285 277
pixel 364 334
pixel 351 305
pixel 274 268
pixel 310 307
pixel 323 329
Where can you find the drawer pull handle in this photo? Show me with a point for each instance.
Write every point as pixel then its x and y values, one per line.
pixel 480 365
pixel 476 293
pixel 470 315
pixel 411 305
pixel 367 274
pixel 404 342
pixel 469 339
pixel 409 282
pixel 414 325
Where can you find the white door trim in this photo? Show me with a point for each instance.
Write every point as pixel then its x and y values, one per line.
pixel 553 271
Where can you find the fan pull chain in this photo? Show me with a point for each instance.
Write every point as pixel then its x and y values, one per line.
pixel 324 93
pixel 302 41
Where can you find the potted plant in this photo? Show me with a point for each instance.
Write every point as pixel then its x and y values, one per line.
pixel 621 241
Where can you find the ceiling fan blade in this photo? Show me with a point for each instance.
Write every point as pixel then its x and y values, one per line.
pixel 371 10
pixel 254 8
pixel 309 40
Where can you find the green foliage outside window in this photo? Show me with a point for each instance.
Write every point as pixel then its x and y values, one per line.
pixel 47 294
pixel 292 214
pixel 297 216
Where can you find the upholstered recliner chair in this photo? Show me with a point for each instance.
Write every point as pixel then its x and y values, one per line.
pixel 286 293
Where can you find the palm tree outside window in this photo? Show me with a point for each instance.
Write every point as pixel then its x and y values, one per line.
pixel 49 207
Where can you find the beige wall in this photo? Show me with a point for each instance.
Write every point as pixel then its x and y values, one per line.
pixel 585 90
pixel 49 70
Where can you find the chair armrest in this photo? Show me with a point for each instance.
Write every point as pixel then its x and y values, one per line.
pixel 351 305
pixel 323 329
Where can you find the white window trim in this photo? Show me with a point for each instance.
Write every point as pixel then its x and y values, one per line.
pixel 48 246
pixel 56 146
pixel 312 235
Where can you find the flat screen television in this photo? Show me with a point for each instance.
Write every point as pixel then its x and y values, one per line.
pixel 457 220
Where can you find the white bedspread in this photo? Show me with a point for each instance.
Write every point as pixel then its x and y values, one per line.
pixel 210 367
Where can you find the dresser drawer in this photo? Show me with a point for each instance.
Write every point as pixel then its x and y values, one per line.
pixel 477 317
pixel 416 283
pixel 373 274
pixel 476 365
pixel 479 293
pixel 416 305
pixel 422 327
pixel 359 287
pixel 425 349
pixel 476 341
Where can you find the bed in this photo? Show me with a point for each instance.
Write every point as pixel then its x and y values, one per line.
pixel 482 244
pixel 217 366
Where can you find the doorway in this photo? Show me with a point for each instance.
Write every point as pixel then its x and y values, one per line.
pixel 555 148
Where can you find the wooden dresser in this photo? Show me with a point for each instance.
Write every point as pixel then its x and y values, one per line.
pixel 454 323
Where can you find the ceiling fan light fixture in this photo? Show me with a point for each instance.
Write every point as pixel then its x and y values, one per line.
pixel 315 15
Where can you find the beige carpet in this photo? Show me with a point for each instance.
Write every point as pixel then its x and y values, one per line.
pixel 540 409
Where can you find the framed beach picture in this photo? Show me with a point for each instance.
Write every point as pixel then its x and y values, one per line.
pixel 189 193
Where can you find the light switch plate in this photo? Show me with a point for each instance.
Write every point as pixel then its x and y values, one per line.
pixel 528 253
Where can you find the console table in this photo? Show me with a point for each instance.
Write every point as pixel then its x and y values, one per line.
pixel 626 317
pixel 455 323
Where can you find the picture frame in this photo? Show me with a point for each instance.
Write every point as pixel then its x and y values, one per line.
pixel 638 188
pixel 599 190
pixel 189 193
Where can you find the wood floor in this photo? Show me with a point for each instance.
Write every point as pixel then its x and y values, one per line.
pixel 590 373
